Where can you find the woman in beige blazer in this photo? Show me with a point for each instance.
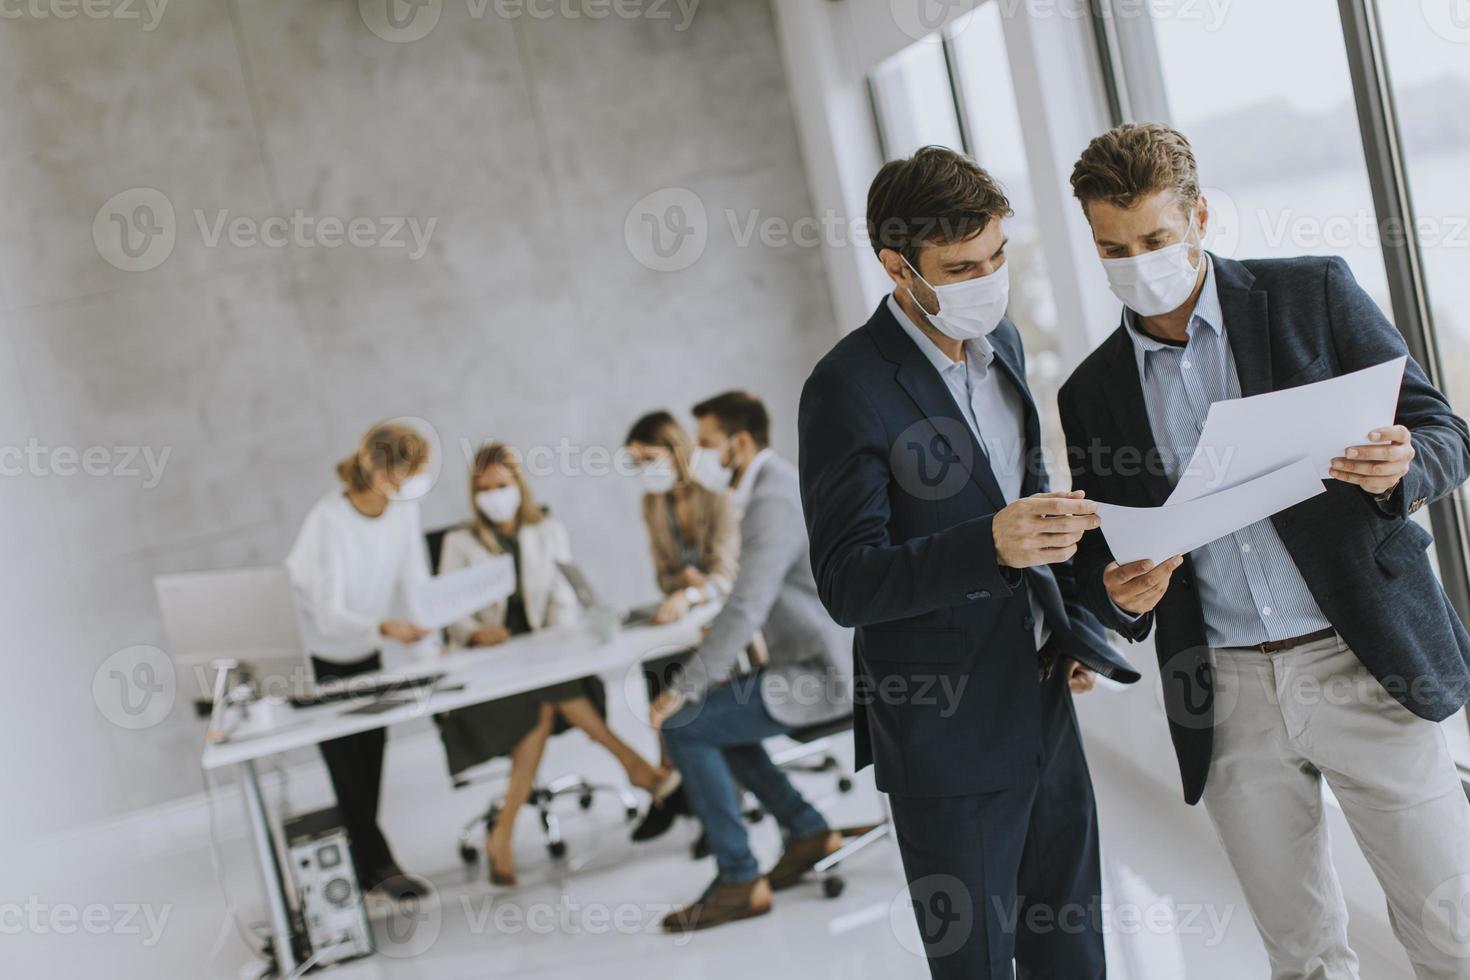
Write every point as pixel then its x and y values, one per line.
pixel 692 530
pixel 508 521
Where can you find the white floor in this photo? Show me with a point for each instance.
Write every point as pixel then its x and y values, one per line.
pixel 1172 910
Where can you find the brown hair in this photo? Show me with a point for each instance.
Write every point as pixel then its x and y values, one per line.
pixel 936 195
pixel 1134 161
pixel 738 411
pixel 394 448
pixel 662 429
pixel 500 454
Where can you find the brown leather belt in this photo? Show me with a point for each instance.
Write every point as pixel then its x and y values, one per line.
pixel 1276 646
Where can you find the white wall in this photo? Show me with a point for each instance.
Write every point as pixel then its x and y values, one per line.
pixel 529 318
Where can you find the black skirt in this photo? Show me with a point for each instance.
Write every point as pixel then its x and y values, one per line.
pixel 482 732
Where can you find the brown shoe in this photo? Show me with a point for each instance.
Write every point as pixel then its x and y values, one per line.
pixel 800 855
pixel 723 901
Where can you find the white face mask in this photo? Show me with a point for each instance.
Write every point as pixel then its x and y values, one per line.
pixel 1156 282
pixel 657 476
pixel 968 309
pixel 413 488
pixel 499 505
pixel 709 471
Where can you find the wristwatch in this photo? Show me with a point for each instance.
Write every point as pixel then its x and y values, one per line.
pixel 693 595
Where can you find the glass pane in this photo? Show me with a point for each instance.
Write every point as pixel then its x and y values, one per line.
pixel 1428 53
pixel 988 97
pixel 915 102
pixel 1427 47
pixel 1282 164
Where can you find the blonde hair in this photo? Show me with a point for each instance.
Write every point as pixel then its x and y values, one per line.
pixel 500 454
pixel 394 448
pixel 661 429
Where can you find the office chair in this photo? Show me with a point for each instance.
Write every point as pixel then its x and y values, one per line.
pixel 497 771
pixel 814 753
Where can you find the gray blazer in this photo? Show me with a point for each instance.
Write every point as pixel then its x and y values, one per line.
pixel 808 678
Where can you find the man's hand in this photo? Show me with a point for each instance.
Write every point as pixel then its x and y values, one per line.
pixel 1379 467
pixel 663 707
pixel 1139 585
pixel 1079 678
pixel 489 636
pixel 1042 529
pixel 403 631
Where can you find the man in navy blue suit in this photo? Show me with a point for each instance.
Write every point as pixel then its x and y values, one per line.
pixel 934 533
pixel 1314 645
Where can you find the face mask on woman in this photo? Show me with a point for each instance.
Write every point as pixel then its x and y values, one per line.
pixel 657 476
pixel 500 505
pixel 413 488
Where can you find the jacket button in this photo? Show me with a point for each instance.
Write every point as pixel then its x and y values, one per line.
pixel 982 594
pixel 1028 622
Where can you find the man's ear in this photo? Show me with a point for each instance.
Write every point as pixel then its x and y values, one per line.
pixel 893 264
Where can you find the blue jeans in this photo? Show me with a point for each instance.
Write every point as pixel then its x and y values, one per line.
pixel 717 740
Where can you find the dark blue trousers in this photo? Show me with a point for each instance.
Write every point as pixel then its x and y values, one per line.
pixel 1013 874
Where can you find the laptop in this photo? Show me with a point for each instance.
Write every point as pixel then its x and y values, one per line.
pixel 587 596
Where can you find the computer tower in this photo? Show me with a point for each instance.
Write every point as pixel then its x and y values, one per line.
pixel 331 905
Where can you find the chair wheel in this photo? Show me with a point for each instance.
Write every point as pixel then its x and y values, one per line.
pixel 844 785
pixel 832 886
pixel 585 801
pixel 557 849
pixel 468 854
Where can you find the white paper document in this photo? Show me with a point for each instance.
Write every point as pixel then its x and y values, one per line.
pixel 443 599
pixel 1159 533
pixel 1244 438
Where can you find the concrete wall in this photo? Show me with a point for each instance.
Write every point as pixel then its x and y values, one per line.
pixel 537 312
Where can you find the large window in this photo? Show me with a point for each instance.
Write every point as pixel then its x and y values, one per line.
pixel 956 90
pixel 1282 165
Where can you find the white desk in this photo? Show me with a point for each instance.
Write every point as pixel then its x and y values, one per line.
pixel 525 663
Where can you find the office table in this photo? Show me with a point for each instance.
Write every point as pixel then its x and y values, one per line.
pixel 523 663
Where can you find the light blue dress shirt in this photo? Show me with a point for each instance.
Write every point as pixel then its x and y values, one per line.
pixel 1249 586
pixel 982 393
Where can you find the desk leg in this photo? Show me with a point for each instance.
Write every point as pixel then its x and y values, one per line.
pixel 270 869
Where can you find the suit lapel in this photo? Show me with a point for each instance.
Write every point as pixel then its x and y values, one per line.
pixel 917 377
pixel 1247 325
pixel 1122 389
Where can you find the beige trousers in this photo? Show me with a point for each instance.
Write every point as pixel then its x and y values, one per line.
pixel 1286 721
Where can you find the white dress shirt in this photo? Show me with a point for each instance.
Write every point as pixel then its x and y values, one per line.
pixel 994 411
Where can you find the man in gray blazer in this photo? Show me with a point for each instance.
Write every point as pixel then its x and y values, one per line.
pixel 714 721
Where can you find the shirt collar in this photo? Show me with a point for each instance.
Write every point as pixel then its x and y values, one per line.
pixel 978 352
pixel 740 493
pixel 1206 310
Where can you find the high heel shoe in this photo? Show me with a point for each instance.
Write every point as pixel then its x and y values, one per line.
pixel 501 879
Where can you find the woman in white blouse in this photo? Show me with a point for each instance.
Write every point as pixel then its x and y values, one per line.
pixel 360 549
pixel 507 521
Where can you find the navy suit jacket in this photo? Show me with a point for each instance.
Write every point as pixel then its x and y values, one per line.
pixel 1289 322
pixel 899 498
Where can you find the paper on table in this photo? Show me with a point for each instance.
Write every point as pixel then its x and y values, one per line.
pixel 1159 533
pixel 1244 438
pixel 442 599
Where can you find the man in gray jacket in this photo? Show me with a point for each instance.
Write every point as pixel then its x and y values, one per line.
pixel 714 720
